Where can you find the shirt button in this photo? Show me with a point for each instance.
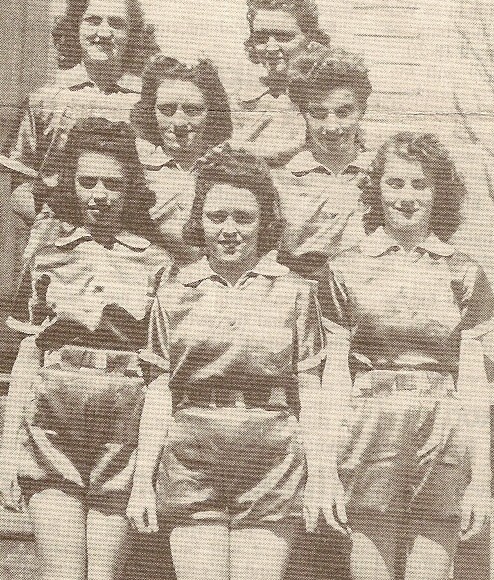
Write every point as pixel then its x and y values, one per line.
pixel 233 323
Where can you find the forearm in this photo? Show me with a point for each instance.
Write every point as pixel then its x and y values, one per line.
pixel 155 420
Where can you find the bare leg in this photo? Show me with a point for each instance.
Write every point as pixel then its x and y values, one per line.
pixel 261 553
pixel 60 534
pixel 432 551
pixel 373 549
pixel 107 539
pixel 201 552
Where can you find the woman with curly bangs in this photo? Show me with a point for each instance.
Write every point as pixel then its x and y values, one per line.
pixel 265 120
pixel 183 112
pixel 219 432
pixel 102 46
pixel 75 397
pixel 321 185
pixel 402 310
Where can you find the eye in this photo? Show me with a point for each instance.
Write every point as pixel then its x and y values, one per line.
pixel 217 217
pixel 419 184
pixel 395 182
pixel 260 37
pixel 344 111
pixel 93 20
pixel 282 36
pixel 87 181
pixel 318 112
pixel 193 110
pixel 117 22
pixel 167 109
pixel 244 217
pixel 113 183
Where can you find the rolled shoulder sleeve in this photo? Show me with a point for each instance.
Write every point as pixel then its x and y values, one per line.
pixel 477 303
pixel 156 352
pixel 333 298
pixel 19 153
pixel 310 336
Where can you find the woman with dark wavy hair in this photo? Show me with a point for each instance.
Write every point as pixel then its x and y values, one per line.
pixel 183 112
pixel 74 401
pixel 405 372
pixel 266 121
pixel 102 45
pixel 219 432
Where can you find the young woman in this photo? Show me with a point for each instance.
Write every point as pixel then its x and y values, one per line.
pixel 220 418
pixel 402 310
pixel 183 111
pixel 85 311
pixel 266 121
pixel 106 44
pixel 320 187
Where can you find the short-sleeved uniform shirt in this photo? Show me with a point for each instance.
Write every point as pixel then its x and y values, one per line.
pixel 259 332
pixel 313 198
pixel 81 278
pixel 174 189
pixel 52 111
pixel 405 310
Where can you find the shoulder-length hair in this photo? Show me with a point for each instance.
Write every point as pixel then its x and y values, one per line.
pixel 448 186
pixel 305 13
pixel 243 170
pixel 319 69
pixel 141 43
pixel 218 124
pixel 99 135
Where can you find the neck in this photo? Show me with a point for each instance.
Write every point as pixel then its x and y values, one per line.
pixel 103 74
pixel 103 234
pixel 408 239
pixel 337 159
pixel 232 272
pixel 185 158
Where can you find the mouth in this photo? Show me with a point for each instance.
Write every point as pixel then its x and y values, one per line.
pixel 229 247
pixel 407 212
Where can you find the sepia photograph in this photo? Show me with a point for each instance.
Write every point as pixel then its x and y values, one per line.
pixel 246 289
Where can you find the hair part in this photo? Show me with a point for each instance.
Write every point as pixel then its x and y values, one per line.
pixel 218 124
pixel 319 70
pixel 99 135
pixel 305 13
pixel 243 170
pixel 141 43
pixel 448 186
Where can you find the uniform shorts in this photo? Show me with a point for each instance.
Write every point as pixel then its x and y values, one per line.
pixel 83 430
pixel 403 450
pixel 241 466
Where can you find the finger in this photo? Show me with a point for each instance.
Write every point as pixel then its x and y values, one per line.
pixel 475 528
pixel 466 517
pixel 334 523
pixel 341 513
pixel 310 519
pixel 152 519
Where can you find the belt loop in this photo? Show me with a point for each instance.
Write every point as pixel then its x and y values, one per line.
pixel 212 399
pixel 278 397
pixel 239 399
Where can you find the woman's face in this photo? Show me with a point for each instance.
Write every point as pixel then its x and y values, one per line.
pixel 104 31
pixel 407 195
pixel 231 221
pixel 277 38
pixel 100 186
pixel 333 119
pixel 181 115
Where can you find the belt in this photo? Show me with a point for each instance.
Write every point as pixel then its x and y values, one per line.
pixel 376 382
pixel 271 399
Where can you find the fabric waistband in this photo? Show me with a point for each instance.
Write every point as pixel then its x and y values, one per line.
pixel 79 358
pixel 376 382
pixel 274 398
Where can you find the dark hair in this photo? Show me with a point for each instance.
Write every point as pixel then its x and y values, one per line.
pixel 240 169
pixel 218 124
pixel 304 11
pixel 320 69
pixel 448 186
pixel 118 140
pixel 141 43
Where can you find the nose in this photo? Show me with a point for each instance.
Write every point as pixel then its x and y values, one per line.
pixel 104 29
pixel 100 193
pixel 332 124
pixel 229 227
pixel 272 45
pixel 180 119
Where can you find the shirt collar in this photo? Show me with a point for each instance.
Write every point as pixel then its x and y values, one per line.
pixel 152 156
pixel 77 78
pixel 379 242
pixel 305 162
pixel 76 235
pixel 201 270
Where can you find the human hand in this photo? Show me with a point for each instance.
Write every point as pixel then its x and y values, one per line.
pixel 475 508
pixel 10 493
pixel 141 509
pixel 333 506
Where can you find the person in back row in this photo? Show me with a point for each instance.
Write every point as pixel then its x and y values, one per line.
pixel 183 112
pixel 265 120
pixel 320 187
